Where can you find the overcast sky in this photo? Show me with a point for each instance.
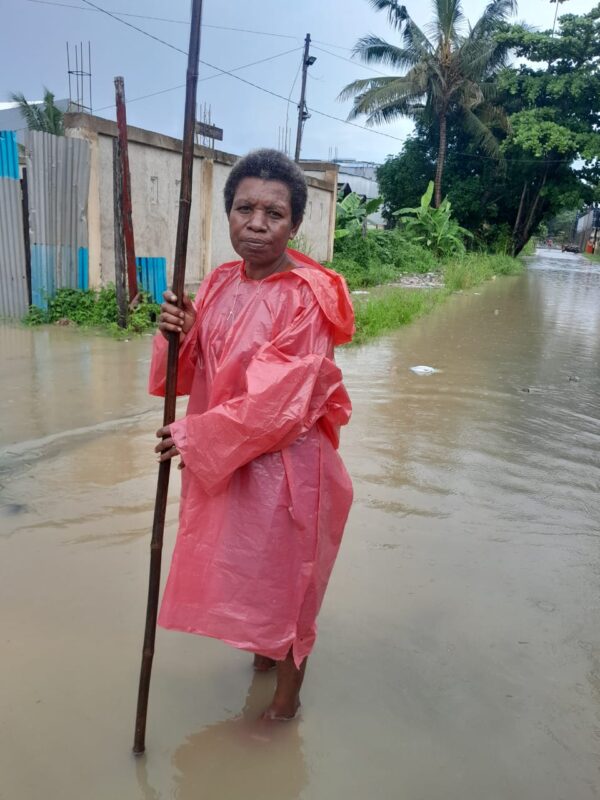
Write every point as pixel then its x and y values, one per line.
pixel 33 38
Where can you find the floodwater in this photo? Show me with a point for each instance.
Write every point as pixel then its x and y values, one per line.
pixel 459 648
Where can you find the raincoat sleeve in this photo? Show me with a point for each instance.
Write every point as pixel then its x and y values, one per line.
pixel 290 384
pixel 188 356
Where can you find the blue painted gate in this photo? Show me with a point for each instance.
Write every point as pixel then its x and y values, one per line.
pixel 152 276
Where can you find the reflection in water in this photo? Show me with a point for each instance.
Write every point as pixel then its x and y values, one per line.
pixel 239 759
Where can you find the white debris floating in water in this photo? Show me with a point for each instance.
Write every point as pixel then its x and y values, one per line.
pixel 422 370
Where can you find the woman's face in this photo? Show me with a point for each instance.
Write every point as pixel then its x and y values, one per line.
pixel 260 221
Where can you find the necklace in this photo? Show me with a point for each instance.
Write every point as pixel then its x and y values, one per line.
pixel 230 317
pixel 229 320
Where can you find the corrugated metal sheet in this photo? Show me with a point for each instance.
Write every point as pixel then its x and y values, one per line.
pixel 152 276
pixel 58 176
pixel 9 155
pixel 83 268
pixel 363 186
pixel 585 221
pixel 13 279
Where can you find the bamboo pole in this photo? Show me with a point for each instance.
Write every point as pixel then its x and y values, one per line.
pixel 185 201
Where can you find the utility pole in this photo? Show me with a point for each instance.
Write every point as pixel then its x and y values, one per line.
pixel 303 114
pixel 558 3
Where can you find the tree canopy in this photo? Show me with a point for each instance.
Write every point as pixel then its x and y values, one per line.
pixel 448 73
pixel 549 153
pixel 44 116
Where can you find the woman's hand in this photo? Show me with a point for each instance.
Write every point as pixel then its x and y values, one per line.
pixel 166 448
pixel 172 318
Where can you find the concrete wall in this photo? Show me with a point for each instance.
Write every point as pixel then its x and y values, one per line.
pixel 155 166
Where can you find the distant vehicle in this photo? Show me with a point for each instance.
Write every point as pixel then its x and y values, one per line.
pixel 570 248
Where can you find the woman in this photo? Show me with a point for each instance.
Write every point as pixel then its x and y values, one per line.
pixel 265 495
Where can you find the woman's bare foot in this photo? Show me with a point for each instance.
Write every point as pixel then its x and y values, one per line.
pixel 263 663
pixel 286 701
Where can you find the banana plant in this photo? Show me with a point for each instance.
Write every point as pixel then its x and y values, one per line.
pixel 434 227
pixel 352 213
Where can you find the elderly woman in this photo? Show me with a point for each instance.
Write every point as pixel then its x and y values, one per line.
pixel 265 495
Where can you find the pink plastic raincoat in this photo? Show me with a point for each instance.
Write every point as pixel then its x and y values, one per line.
pixel 265 495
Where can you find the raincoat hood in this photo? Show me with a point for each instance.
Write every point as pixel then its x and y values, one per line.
pixel 332 294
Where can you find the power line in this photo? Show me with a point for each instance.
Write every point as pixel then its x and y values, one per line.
pixel 179 50
pixel 139 30
pixel 200 80
pixel 350 61
pixel 330 44
pixel 314 110
pixel 143 97
pixel 186 22
pixel 168 19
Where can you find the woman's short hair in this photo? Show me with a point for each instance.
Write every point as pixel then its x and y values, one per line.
pixel 269 165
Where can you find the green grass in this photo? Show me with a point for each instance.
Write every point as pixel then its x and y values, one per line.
pixel 476 268
pixel 392 307
pixel 594 257
pixel 389 308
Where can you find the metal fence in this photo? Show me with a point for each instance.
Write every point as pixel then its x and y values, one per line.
pixel 587 226
pixel 58 171
pixel 43 218
pixel 152 276
pixel 14 298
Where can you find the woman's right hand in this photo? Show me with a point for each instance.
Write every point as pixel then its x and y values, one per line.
pixel 175 319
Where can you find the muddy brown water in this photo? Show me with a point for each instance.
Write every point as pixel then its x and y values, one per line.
pixel 459 647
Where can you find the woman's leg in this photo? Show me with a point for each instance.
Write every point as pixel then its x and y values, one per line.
pixel 286 700
pixel 263 663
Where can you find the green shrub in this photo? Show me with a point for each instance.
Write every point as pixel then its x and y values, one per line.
pixel 381 256
pixel 352 271
pixel 356 248
pixel 412 258
pixel 35 316
pixel 94 308
pixel 106 306
pixel 143 317
pixel 73 304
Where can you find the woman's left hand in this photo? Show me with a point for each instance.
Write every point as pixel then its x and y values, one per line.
pixel 166 448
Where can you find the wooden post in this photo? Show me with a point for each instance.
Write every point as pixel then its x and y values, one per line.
pixel 120 275
pixel 185 202
pixel 26 240
pixel 126 189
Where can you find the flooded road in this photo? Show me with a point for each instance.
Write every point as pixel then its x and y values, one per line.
pixel 459 647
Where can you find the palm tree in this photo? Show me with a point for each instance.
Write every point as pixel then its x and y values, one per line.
pixel 44 116
pixel 449 71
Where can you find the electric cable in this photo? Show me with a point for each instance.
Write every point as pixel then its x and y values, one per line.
pixel 200 80
pixel 313 110
pixel 350 61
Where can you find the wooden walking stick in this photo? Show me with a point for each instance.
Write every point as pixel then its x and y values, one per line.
pixel 158 525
